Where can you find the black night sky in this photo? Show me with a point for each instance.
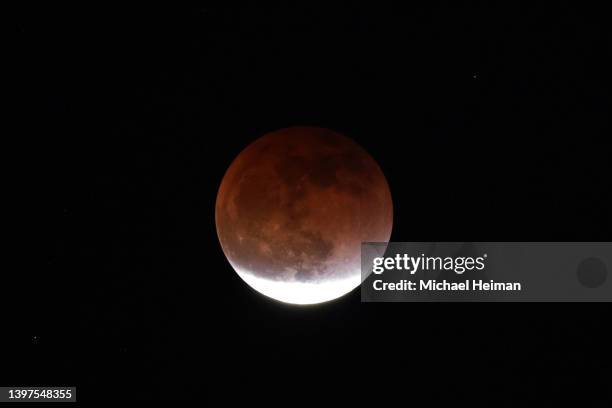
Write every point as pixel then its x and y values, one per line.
pixel 490 122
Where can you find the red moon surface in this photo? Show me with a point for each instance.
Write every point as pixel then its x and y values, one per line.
pixel 293 209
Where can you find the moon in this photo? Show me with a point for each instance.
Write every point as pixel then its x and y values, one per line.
pixel 293 209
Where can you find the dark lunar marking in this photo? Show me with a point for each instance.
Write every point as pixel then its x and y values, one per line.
pixel 353 162
pixel 291 168
pixel 316 246
pixel 592 272
pixel 323 173
pixel 303 276
pixel 253 200
pixel 354 189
